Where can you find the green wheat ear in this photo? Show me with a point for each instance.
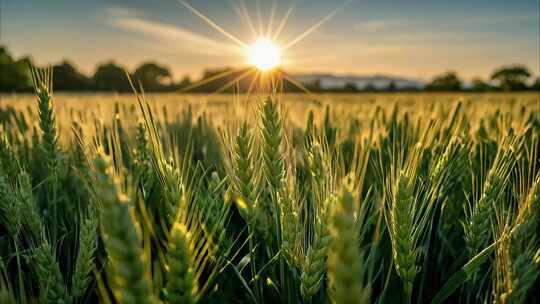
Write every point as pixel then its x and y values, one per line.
pixel 402 229
pixel 8 159
pixel 51 282
pixel 180 279
pixel 272 135
pixel 273 166
pixel 523 249
pixel 345 261
pixel 42 81
pixel 143 157
pixel 121 238
pixel 242 172
pixel 10 207
pixel 477 228
pixel 85 257
pixel 32 218
pixel 313 268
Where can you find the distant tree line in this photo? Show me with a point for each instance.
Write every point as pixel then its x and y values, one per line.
pixel 506 79
pixel 110 76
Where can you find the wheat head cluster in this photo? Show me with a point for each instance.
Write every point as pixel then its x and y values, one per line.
pixel 397 206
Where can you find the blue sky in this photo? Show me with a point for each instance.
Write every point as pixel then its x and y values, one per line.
pixel 412 38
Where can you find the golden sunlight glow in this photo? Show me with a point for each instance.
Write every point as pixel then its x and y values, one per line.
pixel 264 55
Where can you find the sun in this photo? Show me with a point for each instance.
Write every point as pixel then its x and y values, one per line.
pixel 264 54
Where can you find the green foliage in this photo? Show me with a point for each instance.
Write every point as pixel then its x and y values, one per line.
pixel 110 77
pixel 445 82
pixel 511 78
pixel 67 78
pixel 14 74
pixel 152 76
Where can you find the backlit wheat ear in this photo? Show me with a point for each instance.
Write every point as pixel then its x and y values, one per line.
pixel 521 249
pixel 180 279
pixel 242 171
pixel 345 261
pixel 142 159
pixel 273 166
pixel 477 227
pixel 271 131
pixel 272 135
pixel 121 238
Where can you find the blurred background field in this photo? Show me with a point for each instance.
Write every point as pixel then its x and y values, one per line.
pixel 220 107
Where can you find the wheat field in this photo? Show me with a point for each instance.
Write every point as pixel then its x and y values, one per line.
pixel 382 198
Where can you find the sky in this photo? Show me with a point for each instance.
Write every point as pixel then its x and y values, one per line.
pixel 414 38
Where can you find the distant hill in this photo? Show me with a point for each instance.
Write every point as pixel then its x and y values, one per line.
pixel 330 81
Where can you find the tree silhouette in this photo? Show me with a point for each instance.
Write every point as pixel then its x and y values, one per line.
pixel 536 85
pixel 350 87
pixel 186 81
pixel 14 74
pixel 370 87
pixel 67 78
pixel 391 86
pixel 111 77
pixel 511 78
pixel 448 81
pixel 478 85
pixel 152 76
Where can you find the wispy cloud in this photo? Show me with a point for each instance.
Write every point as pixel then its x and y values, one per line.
pixel 377 25
pixel 373 26
pixel 169 37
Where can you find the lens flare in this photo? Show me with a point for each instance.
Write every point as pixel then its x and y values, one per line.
pixel 264 55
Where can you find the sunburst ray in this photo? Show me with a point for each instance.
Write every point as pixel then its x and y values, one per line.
pixel 253 81
pixel 259 18
pixel 315 26
pixel 246 16
pixel 235 80
pixel 294 82
pixel 212 24
pixel 211 78
pixel 271 19
pixel 283 21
